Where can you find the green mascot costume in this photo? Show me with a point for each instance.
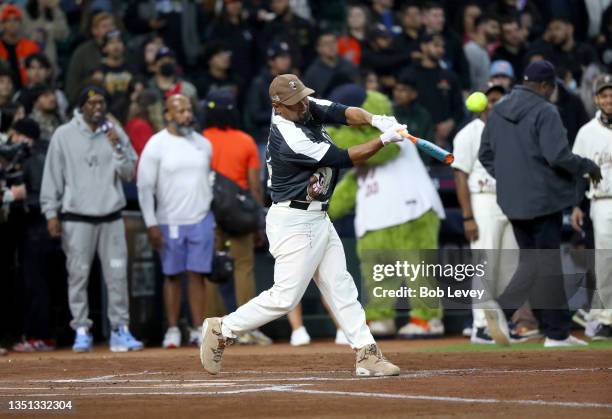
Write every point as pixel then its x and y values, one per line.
pixel 397 207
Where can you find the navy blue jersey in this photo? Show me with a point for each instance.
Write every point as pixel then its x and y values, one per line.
pixel 296 151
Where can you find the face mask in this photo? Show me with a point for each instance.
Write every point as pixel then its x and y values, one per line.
pixel 572 86
pixel 167 69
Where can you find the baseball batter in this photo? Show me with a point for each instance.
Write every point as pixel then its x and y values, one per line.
pixel 303 166
pixel 594 141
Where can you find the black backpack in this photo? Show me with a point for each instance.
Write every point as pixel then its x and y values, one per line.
pixel 236 211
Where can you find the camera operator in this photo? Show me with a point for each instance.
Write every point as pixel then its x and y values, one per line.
pixel 34 247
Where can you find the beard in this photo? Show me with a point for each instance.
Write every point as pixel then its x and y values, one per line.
pixel 184 129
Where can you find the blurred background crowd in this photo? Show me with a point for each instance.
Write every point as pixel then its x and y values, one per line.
pixel 425 56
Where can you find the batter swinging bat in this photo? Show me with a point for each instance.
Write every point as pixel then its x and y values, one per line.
pixel 430 148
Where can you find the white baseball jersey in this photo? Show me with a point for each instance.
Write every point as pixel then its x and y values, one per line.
pixel 396 192
pixel 465 149
pixel 594 141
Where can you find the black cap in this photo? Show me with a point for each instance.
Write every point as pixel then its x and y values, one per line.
pixel 221 99
pixel 110 36
pixel 89 91
pixel 277 48
pixel 490 87
pixel 602 82
pixel 429 37
pixel 27 127
pixel 379 31
pixel 540 71
pixel 163 52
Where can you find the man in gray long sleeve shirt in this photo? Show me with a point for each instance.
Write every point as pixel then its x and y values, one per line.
pixel 87 160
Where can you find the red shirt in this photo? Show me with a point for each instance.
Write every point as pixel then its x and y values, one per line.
pixel 234 152
pixel 140 131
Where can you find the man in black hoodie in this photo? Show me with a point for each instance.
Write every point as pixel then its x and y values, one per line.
pixel 524 147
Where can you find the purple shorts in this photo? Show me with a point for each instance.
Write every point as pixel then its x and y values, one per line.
pixel 188 247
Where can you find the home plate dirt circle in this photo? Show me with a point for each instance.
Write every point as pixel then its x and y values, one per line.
pixel 312 381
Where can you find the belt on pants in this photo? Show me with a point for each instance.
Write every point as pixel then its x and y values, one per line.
pixel 306 206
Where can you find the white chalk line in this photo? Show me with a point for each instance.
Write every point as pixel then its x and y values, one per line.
pixel 447 399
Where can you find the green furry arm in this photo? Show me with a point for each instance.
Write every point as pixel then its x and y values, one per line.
pixel 344 197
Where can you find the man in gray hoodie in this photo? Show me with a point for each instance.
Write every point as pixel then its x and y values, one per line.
pixel 524 147
pixel 82 198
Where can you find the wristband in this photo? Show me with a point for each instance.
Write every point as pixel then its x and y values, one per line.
pixel 470 218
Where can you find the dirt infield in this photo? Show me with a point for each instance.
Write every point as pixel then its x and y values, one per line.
pixel 313 381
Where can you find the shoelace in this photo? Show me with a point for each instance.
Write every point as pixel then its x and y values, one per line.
pixel 375 351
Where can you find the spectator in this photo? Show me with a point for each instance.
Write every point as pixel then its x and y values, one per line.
pixel 523 140
pixel 40 72
pixel 45 23
pixel 350 45
pixel 234 28
pixel 115 74
pixel 146 61
pixel 6 86
pixel 382 12
pixel 486 31
pixel 408 40
pixel 501 74
pixel 570 107
pixel 35 247
pixel 143 119
pixel 434 19
pixel 90 157
pixel 219 73
pixel 512 48
pixel 44 110
pixel 603 41
pixel 87 57
pixel 329 70
pixel 288 27
pixel 438 88
pixel 407 109
pixel 258 100
pixel 166 82
pixel 563 50
pixel 234 155
pixel 467 24
pixel 381 56
pixel 175 196
pixel 14 48
pixel 369 80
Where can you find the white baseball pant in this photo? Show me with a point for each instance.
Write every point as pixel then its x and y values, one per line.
pixel 601 214
pixel 306 246
pixel 494 232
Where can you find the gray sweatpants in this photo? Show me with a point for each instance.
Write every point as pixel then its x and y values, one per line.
pixel 80 241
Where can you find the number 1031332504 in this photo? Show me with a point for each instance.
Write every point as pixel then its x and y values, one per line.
pixel 39 405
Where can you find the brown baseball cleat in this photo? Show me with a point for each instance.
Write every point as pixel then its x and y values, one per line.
pixel 213 345
pixel 370 362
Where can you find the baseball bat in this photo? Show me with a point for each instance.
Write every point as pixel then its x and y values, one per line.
pixel 430 148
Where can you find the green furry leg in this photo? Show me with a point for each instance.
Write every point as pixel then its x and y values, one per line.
pixel 390 244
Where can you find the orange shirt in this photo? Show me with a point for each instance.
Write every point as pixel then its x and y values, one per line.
pixel 234 152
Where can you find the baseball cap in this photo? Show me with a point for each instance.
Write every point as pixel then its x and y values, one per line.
pixel 601 82
pixel 276 49
pixel 540 71
pixel 490 87
pixel 163 52
pixel 110 36
pixel 288 89
pixel 90 91
pixel 379 31
pixel 220 99
pixel 501 68
pixel 425 37
pixel 10 10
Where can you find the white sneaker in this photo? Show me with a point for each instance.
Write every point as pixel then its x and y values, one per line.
pixel 382 328
pixel 341 338
pixel 172 338
pixel 254 337
pixel 195 337
pixel 422 329
pixel 300 337
pixel 569 341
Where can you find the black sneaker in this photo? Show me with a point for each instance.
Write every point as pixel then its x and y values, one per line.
pixel 481 335
pixel 602 332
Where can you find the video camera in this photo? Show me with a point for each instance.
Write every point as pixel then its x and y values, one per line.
pixel 11 159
